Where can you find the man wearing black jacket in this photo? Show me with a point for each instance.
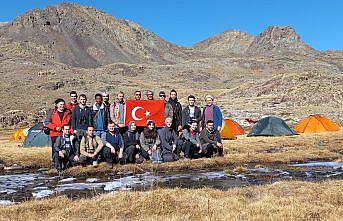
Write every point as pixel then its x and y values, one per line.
pixel 191 112
pixel 81 117
pixel 177 111
pixel 67 150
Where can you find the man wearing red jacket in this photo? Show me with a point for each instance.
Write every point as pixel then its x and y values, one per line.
pixel 57 119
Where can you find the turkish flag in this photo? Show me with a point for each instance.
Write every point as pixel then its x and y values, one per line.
pixel 144 110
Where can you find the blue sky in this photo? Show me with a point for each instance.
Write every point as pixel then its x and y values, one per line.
pixel 318 22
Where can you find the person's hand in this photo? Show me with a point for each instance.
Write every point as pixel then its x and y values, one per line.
pixel 179 128
pixel 92 155
pixel 219 144
pixel 138 147
pixel 174 147
pixel 121 125
pixel 76 158
pixel 120 155
pixel 61 154
pixel 200 151
pixel 113 150
pixel 58 129
pixel 149 152
pixel 198 144
pixel 154 148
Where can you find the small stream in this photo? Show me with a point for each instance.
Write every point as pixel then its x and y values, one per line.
pixel 19 186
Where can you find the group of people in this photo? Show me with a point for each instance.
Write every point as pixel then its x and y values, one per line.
pixel 82 134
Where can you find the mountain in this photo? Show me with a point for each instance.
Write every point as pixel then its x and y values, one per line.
pixel 231 41
pixel 85 37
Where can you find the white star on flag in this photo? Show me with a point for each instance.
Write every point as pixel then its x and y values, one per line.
pixel 147 113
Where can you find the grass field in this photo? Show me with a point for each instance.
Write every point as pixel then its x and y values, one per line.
pixel 283 201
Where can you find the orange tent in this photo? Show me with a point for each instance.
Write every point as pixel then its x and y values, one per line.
pixel 18 135
pixel 315 124
pixel 231 129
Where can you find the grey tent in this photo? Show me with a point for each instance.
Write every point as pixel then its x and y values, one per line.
pixel 271 126
pixel 36 137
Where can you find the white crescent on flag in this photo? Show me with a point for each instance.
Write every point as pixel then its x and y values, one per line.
pixel 134 113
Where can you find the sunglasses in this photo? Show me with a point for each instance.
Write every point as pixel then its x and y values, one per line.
pixel 138 95
pixel 162 95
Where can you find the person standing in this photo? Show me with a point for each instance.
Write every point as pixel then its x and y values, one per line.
pixel 106 100
pixel 100 116
pixel 81 117
pixel 191 112
pixel 150 95
pixel 168 109
pixel 177 111
pixel 55 121
pixel 117 112
pixel 138 95
pixel 213 113
pixel 73 101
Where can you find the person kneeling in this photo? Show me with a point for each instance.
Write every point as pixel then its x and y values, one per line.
pixel 132 149
pixel 150 143
pixel 168 139
pixel 210 140
pixel 191 142
pixel 66 148
pixel 113 145
pixel 91 148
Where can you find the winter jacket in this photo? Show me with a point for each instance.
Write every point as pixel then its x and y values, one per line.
pixel 147 142
pixel 210 137
pixel 70 106
pixel 217 117
pixel 186 135
pixel 177 112
pixel 81 118
pixel 168 138
pixel 186 118
pixel 117 114
pixel 90 145
pixel 55 121
pixel 61 145
pixel 105 116
pixel 130 138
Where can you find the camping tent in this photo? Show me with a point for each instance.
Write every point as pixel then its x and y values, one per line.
pixel 271 126
pixel 36 137
pixel 231 129
pixel 315 124
pixel 18 135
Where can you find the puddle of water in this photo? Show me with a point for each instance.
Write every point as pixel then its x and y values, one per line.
pixel 21 187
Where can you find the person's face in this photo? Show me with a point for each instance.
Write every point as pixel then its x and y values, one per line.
pixel 90 131
pixel 210 126
pixel 162 96
pixel 133 127
pixel 98 100
pixel 168 123
pixel 138 95
pixel 106 98
pixel 191 101
pixel 209 101
pixel 83 100
pixel 60 106
pixel 111 127
pixel 173 95
pixel 150 96
pixel 194 126
pixel 151 126
pixel 120 97
pixel 73 98
pixel 66 130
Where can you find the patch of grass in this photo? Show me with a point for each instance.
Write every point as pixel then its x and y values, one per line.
pixel 283 201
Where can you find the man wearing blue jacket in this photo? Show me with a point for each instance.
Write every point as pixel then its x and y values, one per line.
pixel 212 112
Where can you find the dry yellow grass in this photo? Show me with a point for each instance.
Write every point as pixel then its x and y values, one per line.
pixel 283 201
pixel 259 150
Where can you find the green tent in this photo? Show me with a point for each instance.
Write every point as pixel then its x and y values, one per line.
pixel 271 126
pixel 36 137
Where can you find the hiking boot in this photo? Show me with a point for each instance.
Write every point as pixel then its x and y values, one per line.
pixel 186 159
pixel 110 165
pixel 95 164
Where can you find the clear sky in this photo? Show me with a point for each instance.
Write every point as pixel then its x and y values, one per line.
pixel 186 22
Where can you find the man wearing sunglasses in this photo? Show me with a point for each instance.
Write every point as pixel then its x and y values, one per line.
pixel 168 109
pixel 138 95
